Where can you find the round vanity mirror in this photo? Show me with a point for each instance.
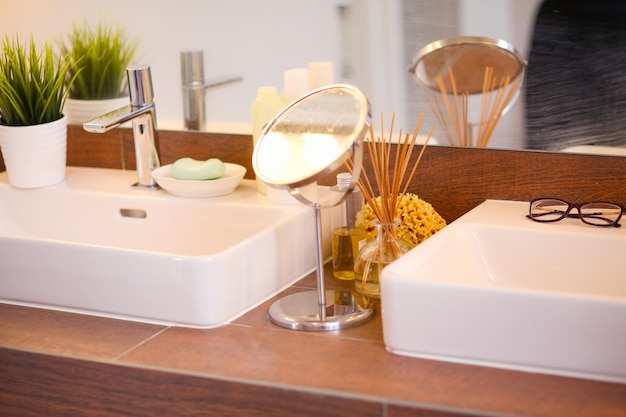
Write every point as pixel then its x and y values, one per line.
pixel 313 137
pixel 467 57
pixel 309 140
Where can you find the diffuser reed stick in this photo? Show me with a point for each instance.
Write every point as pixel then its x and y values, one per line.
pixel 452 113
pixel 391 174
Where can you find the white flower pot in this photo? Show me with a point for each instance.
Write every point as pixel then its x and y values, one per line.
pixel 35 156
pixel 81 111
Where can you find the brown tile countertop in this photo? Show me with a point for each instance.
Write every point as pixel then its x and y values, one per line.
pixel 56 363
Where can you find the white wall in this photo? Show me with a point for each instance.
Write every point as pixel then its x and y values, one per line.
pixel 256 39
pixel 373 54
pixel 260 39
pixel 509 20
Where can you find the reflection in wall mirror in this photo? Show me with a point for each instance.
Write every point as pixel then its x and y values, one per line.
pixel 577 76
pixel 371 44
pixel 467 57
pixel 476 80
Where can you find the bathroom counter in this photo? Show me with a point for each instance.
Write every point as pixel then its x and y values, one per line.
pixel 70 364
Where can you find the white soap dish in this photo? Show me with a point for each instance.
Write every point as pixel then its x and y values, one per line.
pixel 232 177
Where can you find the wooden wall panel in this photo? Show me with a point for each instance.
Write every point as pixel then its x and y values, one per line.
pixel 454 180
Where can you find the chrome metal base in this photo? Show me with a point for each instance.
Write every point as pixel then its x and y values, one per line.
pixel 301 311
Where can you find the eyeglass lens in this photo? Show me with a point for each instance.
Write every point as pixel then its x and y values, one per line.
pixel 597 214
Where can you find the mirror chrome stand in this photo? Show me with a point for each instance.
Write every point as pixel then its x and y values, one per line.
pixel 321 309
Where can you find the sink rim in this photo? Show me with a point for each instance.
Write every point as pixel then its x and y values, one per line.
pixel 86 181
pixel 477 234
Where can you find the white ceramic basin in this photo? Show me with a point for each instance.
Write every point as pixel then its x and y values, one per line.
pixel 95 245
pixel 497 289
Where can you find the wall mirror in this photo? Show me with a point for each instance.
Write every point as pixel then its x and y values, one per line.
pixel 261 40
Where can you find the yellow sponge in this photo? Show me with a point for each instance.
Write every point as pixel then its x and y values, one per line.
pixel 418 220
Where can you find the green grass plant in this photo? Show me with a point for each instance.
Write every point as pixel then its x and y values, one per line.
pixel 33 83
pixel 99 57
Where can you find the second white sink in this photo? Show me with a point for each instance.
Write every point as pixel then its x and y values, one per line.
pixel 95 245
pixel 495 288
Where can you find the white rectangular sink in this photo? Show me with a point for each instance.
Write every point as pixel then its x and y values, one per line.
pixel 93 244
pixel 497 289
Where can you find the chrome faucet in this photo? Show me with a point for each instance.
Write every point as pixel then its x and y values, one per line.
pixel 195 87
pixel 142 112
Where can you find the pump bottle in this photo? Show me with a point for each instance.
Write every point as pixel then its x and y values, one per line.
pixel 346 237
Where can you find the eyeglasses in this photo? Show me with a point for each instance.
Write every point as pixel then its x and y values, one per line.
pixel 600 213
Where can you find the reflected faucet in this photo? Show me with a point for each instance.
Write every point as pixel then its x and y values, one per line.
pixel 142 112
pixel 194 87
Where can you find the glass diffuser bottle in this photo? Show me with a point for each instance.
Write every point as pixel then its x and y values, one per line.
pixel 375 255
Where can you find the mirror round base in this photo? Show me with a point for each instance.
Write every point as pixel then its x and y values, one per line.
pixel 301 311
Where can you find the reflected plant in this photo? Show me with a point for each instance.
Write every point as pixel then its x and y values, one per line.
pixel 98 57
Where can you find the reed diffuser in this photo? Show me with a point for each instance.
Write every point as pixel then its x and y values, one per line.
pixel 390 174
pixel 453 113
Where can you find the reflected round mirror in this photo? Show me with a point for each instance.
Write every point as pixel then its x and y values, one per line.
pixel 477 80
pixel 467 56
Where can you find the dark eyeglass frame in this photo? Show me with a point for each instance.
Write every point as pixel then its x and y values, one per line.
pixel 579 207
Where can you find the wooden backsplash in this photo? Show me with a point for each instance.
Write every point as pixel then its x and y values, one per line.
pixel 453 180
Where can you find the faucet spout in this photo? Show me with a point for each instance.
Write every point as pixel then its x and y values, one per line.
pixel 115 118
pixel 142 113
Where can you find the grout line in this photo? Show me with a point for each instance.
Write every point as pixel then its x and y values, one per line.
pixel 121 139
pixel 143 342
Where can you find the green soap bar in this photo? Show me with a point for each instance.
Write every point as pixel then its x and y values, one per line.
pixel 192 169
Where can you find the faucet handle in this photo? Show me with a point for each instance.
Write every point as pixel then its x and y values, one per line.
pixel 192 72
pixel 140 85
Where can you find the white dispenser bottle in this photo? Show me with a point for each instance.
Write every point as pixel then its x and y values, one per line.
pixel 296 84
pixel 320 74
pixel 264 108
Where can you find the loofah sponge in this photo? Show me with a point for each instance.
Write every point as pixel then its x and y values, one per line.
pixel 418 218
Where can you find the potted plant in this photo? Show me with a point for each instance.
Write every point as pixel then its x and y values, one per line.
pixel 98 59
pixel 33 129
